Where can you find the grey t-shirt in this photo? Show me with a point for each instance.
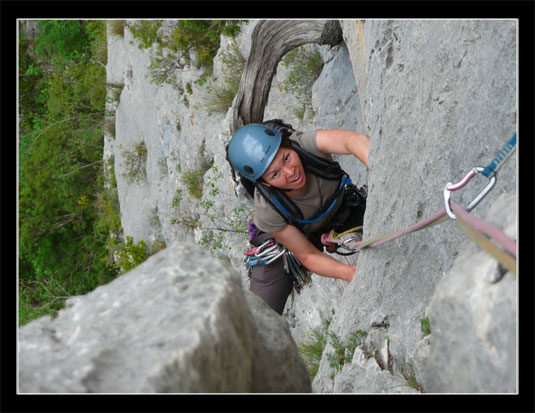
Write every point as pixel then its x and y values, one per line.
pixel 317 190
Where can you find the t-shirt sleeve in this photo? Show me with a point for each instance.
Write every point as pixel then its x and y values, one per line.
pixel 307 140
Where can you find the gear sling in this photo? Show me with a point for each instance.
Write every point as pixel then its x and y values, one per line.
pixel 349 200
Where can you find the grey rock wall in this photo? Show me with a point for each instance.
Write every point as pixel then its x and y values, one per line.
pixel 473 313
pixel 437 98
pixel 178 323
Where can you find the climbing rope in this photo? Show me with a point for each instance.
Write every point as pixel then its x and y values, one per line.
pixel 474 228
pixel 482 233
pixel 352 244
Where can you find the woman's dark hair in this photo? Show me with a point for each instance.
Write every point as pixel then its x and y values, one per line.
pixel 286 143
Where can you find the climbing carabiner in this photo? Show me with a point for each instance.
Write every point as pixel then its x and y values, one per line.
pixel 273 257
pixel 348 248
pixel 461 184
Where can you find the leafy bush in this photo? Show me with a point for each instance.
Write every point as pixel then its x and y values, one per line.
pixel 305 66
pixel 62 235
pixel 425 326
pixel 128 255
pixel 201 37
pixel 343 352
pixel 194 183
pixel 146 31
pixel 116 27
pixel 311 351
pixel 222 96
pixel 61 41
pixel 188 37
pixel 135 164
pixel 194 180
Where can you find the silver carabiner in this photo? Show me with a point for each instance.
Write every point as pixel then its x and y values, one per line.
pixel 299 270
pixel 267 251
pixel 461 184
pixel 344 246
pixel 280 253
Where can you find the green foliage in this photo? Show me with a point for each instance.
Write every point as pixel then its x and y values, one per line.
pixel 210 241
pixel 194 183
pixel 343 352
pixel 116 27
pixel 177 198
pixel 202 185
pixel 129 255
pixel 194 180
pixel 201 37
pixel 64 221
pixel 98 41
pixel 135 164
pixel 146 31
pixel 222 94
pixel 107 203
pixel 305 66
pixel 31 297
pixel 408 373
pixel 312 350
pixel 223 223
pixel 33 92
pixel 425 326
pixel 62 41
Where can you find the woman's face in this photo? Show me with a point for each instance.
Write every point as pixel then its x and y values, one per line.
pixel 286 171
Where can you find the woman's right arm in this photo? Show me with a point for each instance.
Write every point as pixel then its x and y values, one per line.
pixel 311 257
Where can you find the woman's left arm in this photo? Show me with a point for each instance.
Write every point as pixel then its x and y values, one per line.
pixel 344 142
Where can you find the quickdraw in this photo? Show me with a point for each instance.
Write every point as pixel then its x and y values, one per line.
pixel 489 172
pixel 461 184
pixel 269 252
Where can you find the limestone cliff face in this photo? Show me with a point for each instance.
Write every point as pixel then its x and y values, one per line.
pixel 178 323
pixel 436 98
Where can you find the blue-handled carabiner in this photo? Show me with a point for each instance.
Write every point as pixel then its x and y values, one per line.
pixel 265 260
pixel 461 184
pixel 488 172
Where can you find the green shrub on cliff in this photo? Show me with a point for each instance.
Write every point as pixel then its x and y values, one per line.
pixel 62 92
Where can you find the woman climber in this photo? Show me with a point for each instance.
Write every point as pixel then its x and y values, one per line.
pixel 300 193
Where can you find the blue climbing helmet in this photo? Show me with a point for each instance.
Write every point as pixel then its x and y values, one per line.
pixel 252 149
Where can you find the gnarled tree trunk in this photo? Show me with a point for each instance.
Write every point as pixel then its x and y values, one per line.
pixel 270 41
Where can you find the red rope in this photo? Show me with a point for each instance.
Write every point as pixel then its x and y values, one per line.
pixel 434 219
pixel 481 226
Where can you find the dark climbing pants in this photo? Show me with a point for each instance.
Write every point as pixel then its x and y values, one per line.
pixel 271 283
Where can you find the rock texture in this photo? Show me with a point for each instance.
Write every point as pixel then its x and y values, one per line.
pixel 178 135
pixel 180 323
pixel 437 99
pixel 473 314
